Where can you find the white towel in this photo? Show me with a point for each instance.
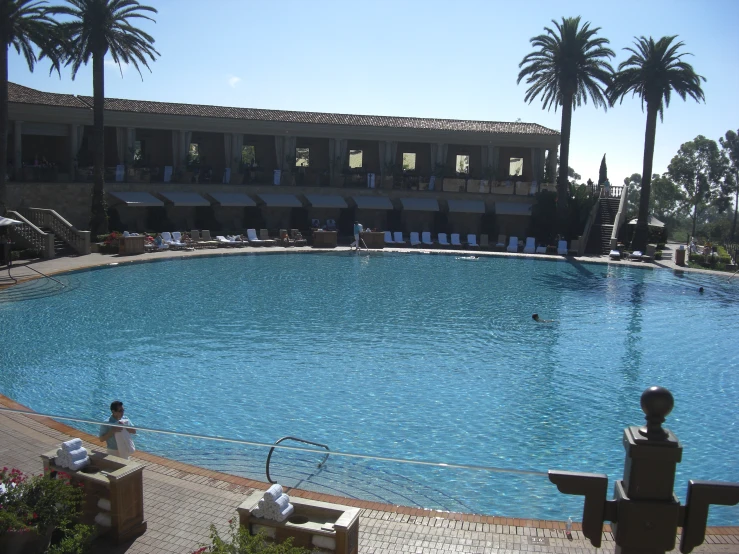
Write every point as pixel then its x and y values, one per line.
pixel 78 464
pixel 73 444
pixel 103 520
pixel 78 454
pixel 320 541
pixel 104 504
pixel 257 512
pixel 282 502
pixel 286 513
pixel 124 441
pixel 273 493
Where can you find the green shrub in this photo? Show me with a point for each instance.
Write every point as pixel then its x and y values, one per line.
pixel 75 540
pixel 239 541
pixel 26 254
pixel 658 255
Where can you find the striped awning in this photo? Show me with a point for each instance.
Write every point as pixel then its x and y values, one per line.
pixel 373 202
pixel 467 206
pixel 512 208
pixel 281 200
pixel 137 199
pixel 185 199
pixel 326 201
pixel 420 204
pixel 235 199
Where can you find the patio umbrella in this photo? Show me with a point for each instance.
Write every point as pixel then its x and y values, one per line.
pixel 651 222
pixel 5 221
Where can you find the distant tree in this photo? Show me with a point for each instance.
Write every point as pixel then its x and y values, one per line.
pixel 26 26
pixel 92 29
pixel 730 144
pixel 572 174
pixel 666 202
pixel 654 70
pixel 633 186
pixel 603 171
pixel 568 66
pixel 699 168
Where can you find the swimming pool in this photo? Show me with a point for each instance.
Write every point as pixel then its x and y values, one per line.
pixel 409 356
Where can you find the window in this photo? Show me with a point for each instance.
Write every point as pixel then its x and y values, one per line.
pixel 248 156
pixel 138 152
pixel 355 159
pixel 515 166
pixel 463 163
pixel 409 161
pixel 302 157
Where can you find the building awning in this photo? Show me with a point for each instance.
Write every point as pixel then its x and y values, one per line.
pixel 326 201
pixel 420 204
pixel 373 202
pixel 467 206
pixel 185 199
pixel 281 200
pixel 512 208
pixel 236 199
pixel 134 199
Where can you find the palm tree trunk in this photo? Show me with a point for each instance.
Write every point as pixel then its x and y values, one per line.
pixel 563 183
pixel 641 233
pixel 3 123
pixel 98 215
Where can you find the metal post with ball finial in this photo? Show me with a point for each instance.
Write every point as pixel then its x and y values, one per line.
pixel 645 511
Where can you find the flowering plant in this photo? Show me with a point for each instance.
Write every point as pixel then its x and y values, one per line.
pixel 239 541
pixel 36 503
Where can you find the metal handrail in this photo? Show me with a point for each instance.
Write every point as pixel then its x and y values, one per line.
pixel 269 456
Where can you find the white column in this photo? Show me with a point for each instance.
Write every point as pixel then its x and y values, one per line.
pixel 18 149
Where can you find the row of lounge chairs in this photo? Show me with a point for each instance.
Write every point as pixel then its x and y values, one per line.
pixel 396 238
pixel 203 239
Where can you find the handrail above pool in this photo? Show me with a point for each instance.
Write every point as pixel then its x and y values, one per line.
pixel 269 456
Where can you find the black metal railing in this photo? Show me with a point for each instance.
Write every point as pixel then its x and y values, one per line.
pixel 269 456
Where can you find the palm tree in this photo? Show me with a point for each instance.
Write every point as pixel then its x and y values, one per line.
pixel 98 27
pixel 653 71
pixel 23 25
pixel 568 66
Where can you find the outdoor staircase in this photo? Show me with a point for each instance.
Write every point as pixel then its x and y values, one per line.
pixel 599 241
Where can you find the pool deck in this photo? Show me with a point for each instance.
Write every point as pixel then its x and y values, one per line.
pixel 181 501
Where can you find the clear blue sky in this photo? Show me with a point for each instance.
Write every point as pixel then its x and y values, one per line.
pixel 421 58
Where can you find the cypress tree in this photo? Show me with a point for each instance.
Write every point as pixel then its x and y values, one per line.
pixel 603 172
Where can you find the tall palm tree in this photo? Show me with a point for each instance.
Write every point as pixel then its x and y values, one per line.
pixel 653 71
pixel 24 24
pixel 569 65
pixel 98 27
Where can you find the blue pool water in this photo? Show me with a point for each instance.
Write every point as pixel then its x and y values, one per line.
pixel 410 356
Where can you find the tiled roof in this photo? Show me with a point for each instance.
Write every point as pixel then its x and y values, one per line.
pixel 17 93
pixel 25 95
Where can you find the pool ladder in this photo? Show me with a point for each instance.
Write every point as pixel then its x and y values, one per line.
pixel 269 456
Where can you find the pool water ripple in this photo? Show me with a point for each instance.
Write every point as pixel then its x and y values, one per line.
pixel 407 356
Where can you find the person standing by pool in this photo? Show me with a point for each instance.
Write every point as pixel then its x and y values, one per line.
pixel 357 230
pixel 118 440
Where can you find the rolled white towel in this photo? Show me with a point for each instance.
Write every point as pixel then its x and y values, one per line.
pixel 104 504
pixel 282 501
pixel 286 513
pixel 103 520
pixel 73 444
pixel 273 492
pixel 257 512
pixel 78 454
pixel 60 452
pixel 79 464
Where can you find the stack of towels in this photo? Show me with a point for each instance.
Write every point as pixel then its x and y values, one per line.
pixel 103 517
pixel 72 455
pixel 274 505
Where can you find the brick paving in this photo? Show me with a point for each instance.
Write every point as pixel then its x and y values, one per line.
pixel 181 501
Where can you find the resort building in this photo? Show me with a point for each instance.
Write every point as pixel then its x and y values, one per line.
pixel 196 166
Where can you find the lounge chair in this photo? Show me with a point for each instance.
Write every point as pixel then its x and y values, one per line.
pixel 562 248
pixel 574 249
pixel 207 240
pixel 389 238
pixel 251 235
pixel 398 237
pixel 415 241
pixel 636 255
pixel 331 225
pixel 512 244
pixel 315 223
pixel 168 240
pixel 442 240
pixel 530 247
pixel 177 237
pixel 541 249
pixel 615 254
pixel 484 241
pixel 426 238
pixel 501 241
pixel 472 241
pixel 264 237
pixel 651 251
pixel 285 239
pixel 297 237
pixel 455 239
pixel 223 241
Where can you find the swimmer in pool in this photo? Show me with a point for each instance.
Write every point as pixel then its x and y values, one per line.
pixel 536 318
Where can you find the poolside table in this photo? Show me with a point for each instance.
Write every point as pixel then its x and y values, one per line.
pixel 373 240
pixel 325 239
pixel 131 245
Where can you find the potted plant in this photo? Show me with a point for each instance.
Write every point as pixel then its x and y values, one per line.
pixel 32 508
pixel 239 541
